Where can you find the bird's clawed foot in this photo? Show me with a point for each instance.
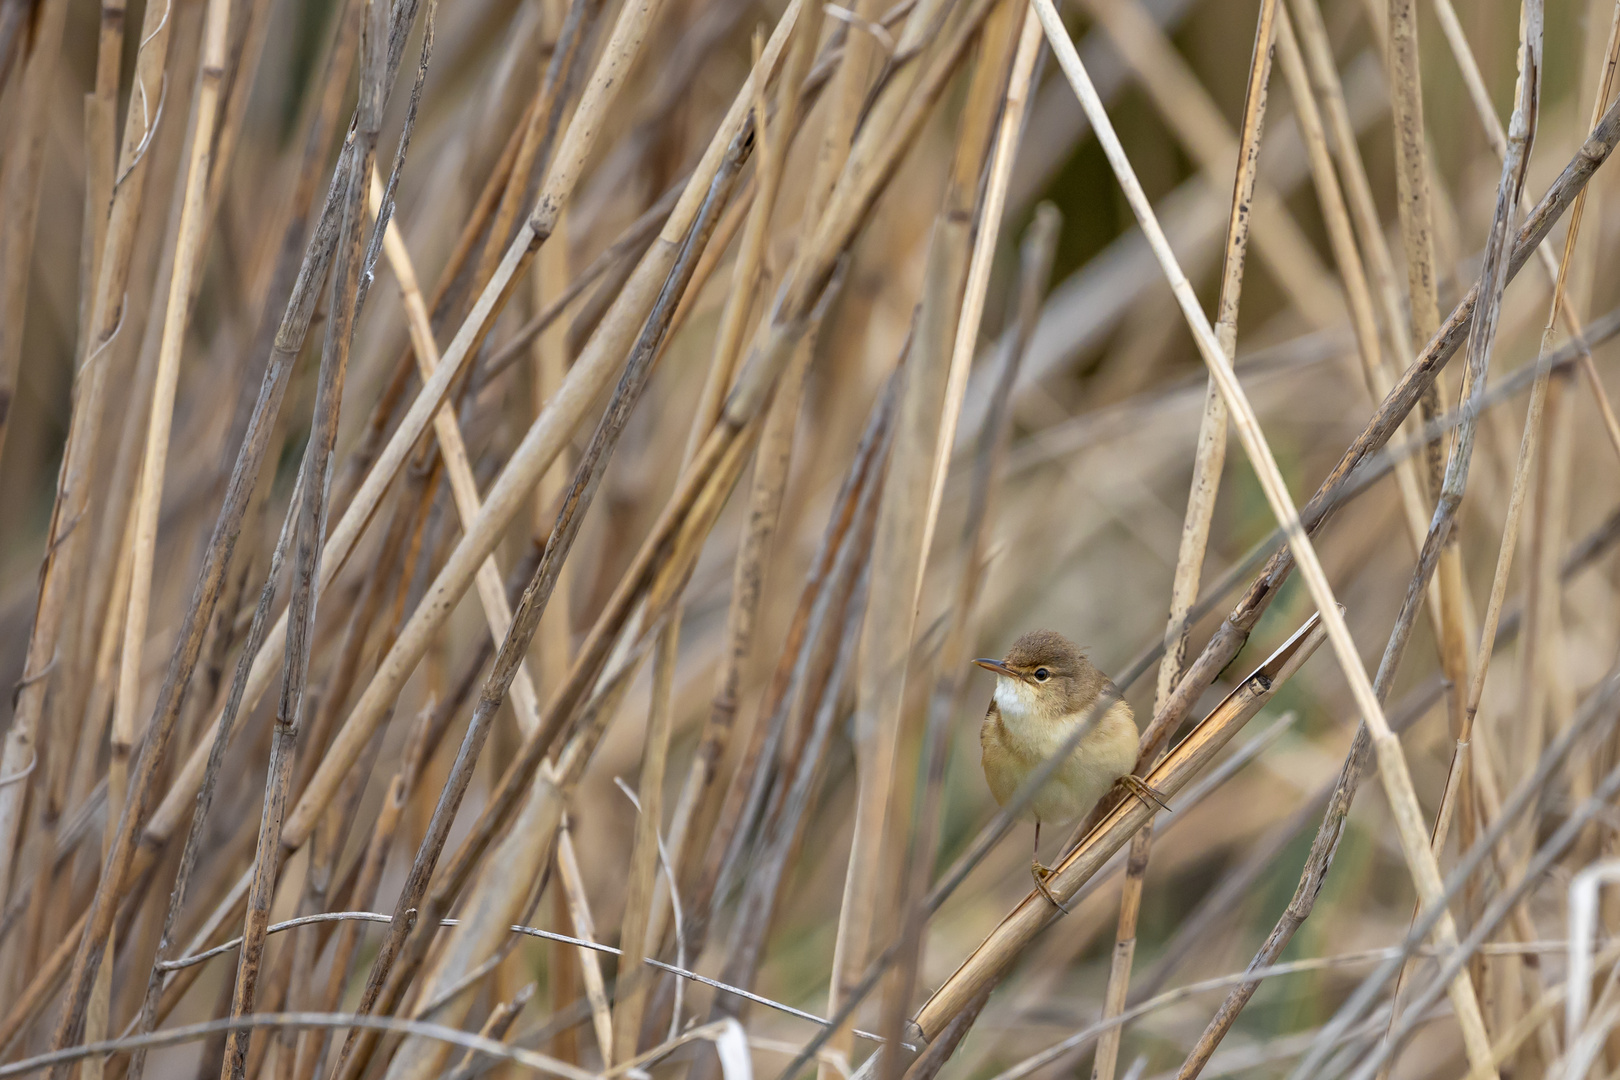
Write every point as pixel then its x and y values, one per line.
pixel 1134 785
pixel 1041 873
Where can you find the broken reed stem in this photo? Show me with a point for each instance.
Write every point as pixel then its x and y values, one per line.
pixel 1208 461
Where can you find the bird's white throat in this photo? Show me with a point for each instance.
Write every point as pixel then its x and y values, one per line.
pixel 1015 698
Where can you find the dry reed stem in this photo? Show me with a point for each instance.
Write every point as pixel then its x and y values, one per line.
pixel 188 253
pixel 873 159
pixel 694 803
pixel 1208 462
pixel 1526 458
pixel 1392 762
pixel 106 317
pixel 1493 280
pixel 64 537
pixel 1329 496
pixel 195 836
pixel 1414 202
pixel 1378 262
pixel 1538 393
pixel 372 601
pixel 1005 72
pixel 628 247
pixel 125 862
pixel 329 1020
pixel 551 358
pixel 743 801
pixel 800 725
pixel 386 982
pixel 630 997
pixel 493 904
pixel 1417 221
pixel 647 927
pixel 453 448
pixel 821 667
pixel 992 208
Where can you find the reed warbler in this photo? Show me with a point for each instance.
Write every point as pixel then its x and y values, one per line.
pixel 1043 689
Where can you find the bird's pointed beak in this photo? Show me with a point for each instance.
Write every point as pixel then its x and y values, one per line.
pixel 998 667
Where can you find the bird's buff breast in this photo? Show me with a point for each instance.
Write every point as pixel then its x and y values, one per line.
pixel 1015 742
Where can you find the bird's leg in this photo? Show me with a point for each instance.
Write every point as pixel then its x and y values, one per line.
pixel 1135 786
pixel 1040 872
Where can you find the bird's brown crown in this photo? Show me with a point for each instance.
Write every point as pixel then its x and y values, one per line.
pixel 1057 668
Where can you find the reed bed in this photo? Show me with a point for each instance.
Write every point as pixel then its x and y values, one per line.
pixel 501 498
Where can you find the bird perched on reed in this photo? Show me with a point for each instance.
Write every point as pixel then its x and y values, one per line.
pixel 1043 689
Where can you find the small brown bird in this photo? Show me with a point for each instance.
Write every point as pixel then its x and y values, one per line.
pixel 1043 689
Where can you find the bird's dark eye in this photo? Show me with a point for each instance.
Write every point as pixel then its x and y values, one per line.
pixel 1041 674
